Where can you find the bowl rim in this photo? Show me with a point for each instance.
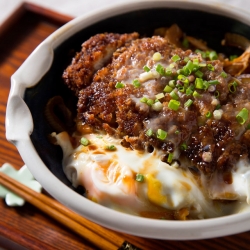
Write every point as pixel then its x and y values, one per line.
pixel 17 113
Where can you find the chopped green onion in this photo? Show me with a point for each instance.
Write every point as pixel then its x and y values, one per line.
pixel 149 132
pixel 186 59
pixel 216 93
pixel 218 106
pixel 174 95
pixel 174 104
pixel 111 147
pixel 167 89
pixel 189 91
pixel 181 88
pixel 168 72
pixel 139 177
pixel 172 83
pixel 184 146
pixel 213 55
pixel 188 103
pixel 144 99
pixel 175 58
pixel 202 64
pixel 242 116
pixel 157 56
pixel 199 74
pixel 196 61
pixel 146 68
pixel 161 134
pixel 159 96
pixel 196 94
pixel 150 102
pixel 183 78
pixel 213 82
pixel 160 69
pixel 232 87
pixel 84 141
pixel 199 83
pixel 170 157
pixel 185 43
pixel 157 106
pixel 232 57
pixel 208 114
pixel 223 74
pixel 119 85
pixel 203 54
pixel 177 132
pixel 210 67
pixel 248 127
pixel 136 83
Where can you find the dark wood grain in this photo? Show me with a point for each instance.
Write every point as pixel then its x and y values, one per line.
pixel 26 225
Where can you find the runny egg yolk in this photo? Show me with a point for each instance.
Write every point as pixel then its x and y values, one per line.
pixel 155 191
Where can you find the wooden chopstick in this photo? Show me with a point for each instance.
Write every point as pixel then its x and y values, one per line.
pixel 97 235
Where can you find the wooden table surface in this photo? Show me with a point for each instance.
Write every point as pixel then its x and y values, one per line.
pixel 26 227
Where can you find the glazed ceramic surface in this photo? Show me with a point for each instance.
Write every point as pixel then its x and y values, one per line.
pixel 39 79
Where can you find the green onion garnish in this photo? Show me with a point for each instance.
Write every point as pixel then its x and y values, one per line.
pixel 208 114
pixel 149 132
pixel 159 96
pixel 196 94
pixel 213 55
pixel 84 141
pixel 111 147
pixel 150 102
pixel 177 132
pixel 160 69
pixel 218 106
pixel 157 56
pixel 210 67
pixel 184 146
pixel 168 72
pixel 136 83
pixel 242 116
pixel 199 74
pixel 144 99
pixel 199 83
pixel 174 104
pixel 146 68
pixel 167 89
pixel 175 58
pixel 223 74
pixel 213 82
pixel 189 90
pixel 119 85
pixel 170 157
pixel 139 177
pixel 188 103
pixel 174 95
pixel 172 83
pixel 216 93
pixel 161 134
pixel 232 87
pixel 183 78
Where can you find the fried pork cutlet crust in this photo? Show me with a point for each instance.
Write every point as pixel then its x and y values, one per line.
pixel 96 53
pixel 212 144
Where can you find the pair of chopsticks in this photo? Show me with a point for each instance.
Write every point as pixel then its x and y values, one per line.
pixel 95 234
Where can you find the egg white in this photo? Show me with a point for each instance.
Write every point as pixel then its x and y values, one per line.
pixel 109 177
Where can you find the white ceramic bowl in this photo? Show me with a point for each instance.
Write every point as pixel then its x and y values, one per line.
pixel 26 127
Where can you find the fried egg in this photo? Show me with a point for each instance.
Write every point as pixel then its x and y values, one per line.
pixel 109 173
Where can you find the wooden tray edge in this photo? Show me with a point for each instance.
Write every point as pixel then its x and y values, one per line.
pixel 30 7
